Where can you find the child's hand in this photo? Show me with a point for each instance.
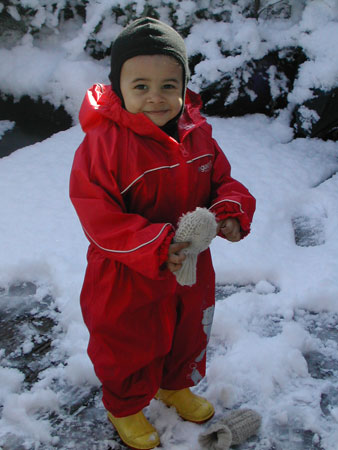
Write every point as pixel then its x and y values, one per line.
pixel 175 258
pixel 230 228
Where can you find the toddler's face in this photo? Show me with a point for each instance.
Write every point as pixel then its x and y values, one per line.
pixel 152 84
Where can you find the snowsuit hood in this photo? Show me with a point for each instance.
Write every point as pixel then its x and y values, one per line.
pixel 101 103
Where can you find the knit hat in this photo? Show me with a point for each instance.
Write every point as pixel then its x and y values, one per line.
pixel 198 227
pixel 232 430
pixel 147 36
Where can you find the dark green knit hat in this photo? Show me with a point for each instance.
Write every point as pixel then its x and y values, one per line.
pixel 146 36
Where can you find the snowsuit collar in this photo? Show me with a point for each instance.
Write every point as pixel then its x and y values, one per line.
pixel 101 103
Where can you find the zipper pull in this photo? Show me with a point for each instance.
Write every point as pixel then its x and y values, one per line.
pixel 184 152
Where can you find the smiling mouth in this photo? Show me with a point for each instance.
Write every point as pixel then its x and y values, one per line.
pixel 163 111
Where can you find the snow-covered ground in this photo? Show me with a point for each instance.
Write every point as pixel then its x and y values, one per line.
pixel 274 341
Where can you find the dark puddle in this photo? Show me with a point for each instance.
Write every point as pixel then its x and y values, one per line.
pixel 35 121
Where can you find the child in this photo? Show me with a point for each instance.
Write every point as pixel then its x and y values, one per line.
pixel 147 158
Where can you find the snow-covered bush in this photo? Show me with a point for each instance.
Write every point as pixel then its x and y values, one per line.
pixel 98 18
pixel 246 55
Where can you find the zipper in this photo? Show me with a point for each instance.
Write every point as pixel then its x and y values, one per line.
pixel 183 151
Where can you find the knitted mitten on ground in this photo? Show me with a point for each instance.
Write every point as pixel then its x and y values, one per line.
pixel 199 228
pixel 232 430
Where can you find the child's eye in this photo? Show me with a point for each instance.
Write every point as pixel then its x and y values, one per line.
pixel 140 87
pixel 169 86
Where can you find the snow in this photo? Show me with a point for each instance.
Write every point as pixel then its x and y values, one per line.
pixel 254 362
pixel 50 77
pixel 5 125
pixel 277 301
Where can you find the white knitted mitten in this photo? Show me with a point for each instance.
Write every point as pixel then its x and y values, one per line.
pixel 199 228
pixel 232 430
pixel 217 437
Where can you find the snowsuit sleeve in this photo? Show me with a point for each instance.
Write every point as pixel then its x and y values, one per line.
pixel 229 198
pixel 127 238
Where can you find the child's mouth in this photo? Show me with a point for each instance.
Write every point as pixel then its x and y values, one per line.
pixel 163 111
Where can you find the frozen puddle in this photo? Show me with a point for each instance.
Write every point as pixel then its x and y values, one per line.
pixel 309 231
pixel 30 337
pixel 26 330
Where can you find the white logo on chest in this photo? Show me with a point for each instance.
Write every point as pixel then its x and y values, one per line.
pixel 205 167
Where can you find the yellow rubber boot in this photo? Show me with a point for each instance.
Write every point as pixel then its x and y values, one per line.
pixel 189 406
pixel 135 431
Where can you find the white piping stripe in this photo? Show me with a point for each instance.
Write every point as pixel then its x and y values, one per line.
pixel 231 201
pixel 125 251
pixel 147 171
pixel 198 157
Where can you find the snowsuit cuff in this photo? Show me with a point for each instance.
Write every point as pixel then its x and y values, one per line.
pixel 232 210
pixel 163 250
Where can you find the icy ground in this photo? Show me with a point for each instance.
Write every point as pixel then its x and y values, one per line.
pixel 274 340
pixel 80 421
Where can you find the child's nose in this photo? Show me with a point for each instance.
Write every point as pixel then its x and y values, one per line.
pixel 155 96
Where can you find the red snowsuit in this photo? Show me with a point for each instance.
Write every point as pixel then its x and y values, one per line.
pixel 130 183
